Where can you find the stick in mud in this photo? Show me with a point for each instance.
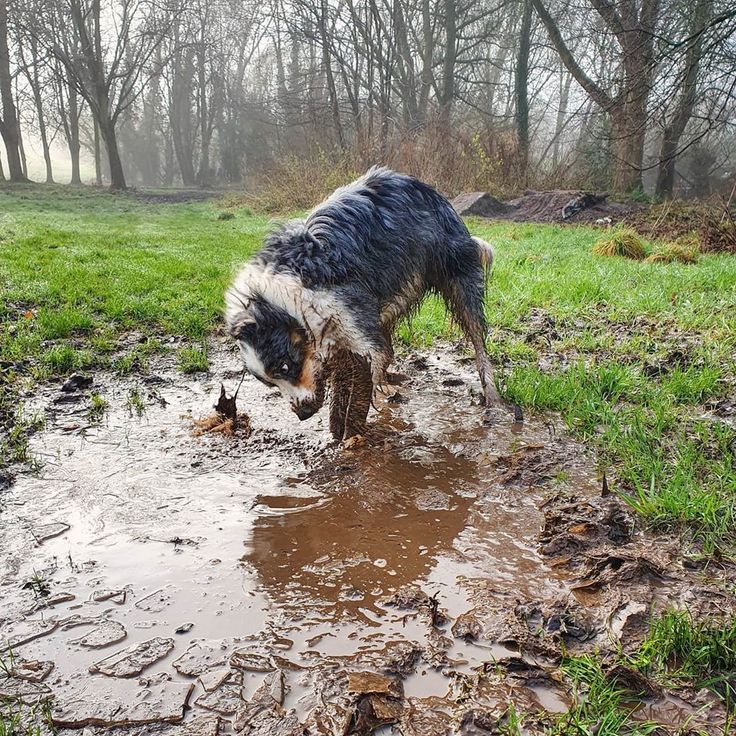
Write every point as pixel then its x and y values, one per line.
pixel 226 419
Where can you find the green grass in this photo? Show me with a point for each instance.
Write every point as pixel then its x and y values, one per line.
pixel 98 405
pixel 600 706
pixel 634 352
pixel 193 359
pixel 680 650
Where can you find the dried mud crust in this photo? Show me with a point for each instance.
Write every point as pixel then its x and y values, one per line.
pixel 284 585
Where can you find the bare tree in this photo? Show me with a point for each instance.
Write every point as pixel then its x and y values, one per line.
pixel 106 53
pixel 9 124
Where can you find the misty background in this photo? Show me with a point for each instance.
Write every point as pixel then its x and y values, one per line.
pixel 297 95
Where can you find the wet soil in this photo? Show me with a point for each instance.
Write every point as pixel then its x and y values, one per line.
pixel 281 583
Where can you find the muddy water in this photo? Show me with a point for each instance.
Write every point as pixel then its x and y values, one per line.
pixel 281 544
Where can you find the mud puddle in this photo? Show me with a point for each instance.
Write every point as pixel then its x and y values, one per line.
pixel 420 581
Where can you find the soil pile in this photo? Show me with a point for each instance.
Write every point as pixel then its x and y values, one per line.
pixel 712 222
pixel 559 205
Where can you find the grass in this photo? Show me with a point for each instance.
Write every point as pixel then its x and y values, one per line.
pixel 621 242
pixel 135 402
pixel 98 405
pixel 675 252
pixel 630 353
pixel 600 706
pixel 193 359
pixel 680 650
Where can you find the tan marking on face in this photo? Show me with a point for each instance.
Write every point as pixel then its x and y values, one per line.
pixel 308 378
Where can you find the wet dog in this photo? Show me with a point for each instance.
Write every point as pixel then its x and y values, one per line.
pixel 320 301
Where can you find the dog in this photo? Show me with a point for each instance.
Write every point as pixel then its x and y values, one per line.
pixel 318 304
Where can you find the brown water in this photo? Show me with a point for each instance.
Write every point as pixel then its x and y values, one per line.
pixel 282 543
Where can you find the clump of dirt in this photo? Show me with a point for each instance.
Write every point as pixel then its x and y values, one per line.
pixel 712 222
pixel 621 242
pixel 226 419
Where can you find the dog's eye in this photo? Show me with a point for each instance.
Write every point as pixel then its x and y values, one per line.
pixel 285 368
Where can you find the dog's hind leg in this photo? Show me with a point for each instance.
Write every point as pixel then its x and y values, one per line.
pixel 351 391
pixel 464 298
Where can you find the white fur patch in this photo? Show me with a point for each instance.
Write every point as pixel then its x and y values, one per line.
pixel 252 361
pixel 318 311
pixel 485 251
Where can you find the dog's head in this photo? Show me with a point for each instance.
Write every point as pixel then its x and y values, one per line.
pixel 278 352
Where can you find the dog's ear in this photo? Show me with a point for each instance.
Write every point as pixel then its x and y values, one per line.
pixel 240 324
pixel 238 312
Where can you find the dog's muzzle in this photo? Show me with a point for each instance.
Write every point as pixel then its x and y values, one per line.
pixel 305 410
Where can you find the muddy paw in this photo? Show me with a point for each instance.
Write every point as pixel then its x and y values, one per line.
pixel 351 443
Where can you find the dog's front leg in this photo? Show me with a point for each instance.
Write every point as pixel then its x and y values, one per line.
pixel 351 392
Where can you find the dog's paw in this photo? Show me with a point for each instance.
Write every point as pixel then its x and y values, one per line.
pixel 351 443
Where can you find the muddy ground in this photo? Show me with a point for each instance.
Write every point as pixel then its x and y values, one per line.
pixel 282 585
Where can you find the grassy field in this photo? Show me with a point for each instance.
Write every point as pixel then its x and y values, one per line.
pixel 631 353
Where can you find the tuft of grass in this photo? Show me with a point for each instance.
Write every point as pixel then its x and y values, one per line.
pixel 135 403
pixel 621 242
pixel 192 359
pixel 61 359
pixel 600 706
pixel 98 405
pixel 676 252
pixel 16 429
pixel 683 651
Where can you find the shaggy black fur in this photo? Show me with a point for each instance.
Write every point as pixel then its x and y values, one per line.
pixel 377 247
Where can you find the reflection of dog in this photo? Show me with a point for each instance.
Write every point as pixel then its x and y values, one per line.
pixel 322 297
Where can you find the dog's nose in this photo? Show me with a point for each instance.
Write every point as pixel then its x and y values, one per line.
pixel 304 411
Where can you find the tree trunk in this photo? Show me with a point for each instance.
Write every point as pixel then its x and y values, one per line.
pixel 22 151
pixel 447 95
pixel 329 76
pixel 73 141
pixel 560 121
pixel 628 130
pixel 426 76
pixel 673 131
pixel 9 121
pixel 98 156
pixel 521 89
pixel 117 176
pixel 35 82
pixel 205 131
pixel 180 106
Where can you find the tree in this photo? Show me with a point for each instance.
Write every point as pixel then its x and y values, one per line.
pixel 9 125
pixel 633 26
pixel 700 14
pixel 106 54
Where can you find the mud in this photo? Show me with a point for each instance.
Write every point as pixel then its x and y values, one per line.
pixel 419 580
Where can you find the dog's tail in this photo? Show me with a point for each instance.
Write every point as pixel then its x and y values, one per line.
pixel 485 251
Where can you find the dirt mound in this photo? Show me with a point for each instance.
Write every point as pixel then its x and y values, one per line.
pixel 480 204
pixel 558 205
pixel 712 222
